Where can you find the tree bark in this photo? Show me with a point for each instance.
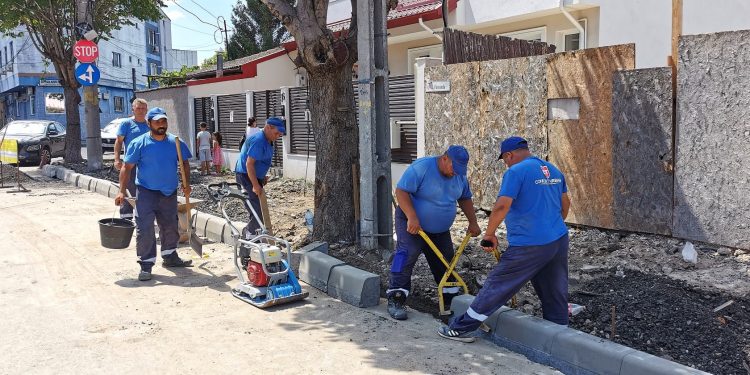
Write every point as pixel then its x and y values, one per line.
pixel 72 117
pixel 334 124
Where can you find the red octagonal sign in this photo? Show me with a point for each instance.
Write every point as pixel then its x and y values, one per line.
pixel 86 51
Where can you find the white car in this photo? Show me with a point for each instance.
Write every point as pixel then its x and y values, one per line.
pixel 109 134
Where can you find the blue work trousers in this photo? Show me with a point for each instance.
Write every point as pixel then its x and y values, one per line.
pixel 547 268
pixel 408 248
pixel 150 205
pixel 252 228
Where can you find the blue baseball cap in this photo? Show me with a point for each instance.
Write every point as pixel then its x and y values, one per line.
pixel 512 144
pixel 279 123
pixel 156 113
pixel 460 158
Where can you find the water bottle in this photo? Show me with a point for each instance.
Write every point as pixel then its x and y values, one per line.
pixel 309 220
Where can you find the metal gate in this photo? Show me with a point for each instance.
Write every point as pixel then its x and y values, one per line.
pixel 402 109
pixel 268 104
pixel 300 126
pixel 232 114
pixel 204 113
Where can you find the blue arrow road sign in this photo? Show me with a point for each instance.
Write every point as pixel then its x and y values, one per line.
pixel 87 74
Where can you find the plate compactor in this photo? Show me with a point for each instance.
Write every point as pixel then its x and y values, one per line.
pixel 262 262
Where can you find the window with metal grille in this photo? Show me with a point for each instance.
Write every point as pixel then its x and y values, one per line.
pixel 116 60
pixel 119 103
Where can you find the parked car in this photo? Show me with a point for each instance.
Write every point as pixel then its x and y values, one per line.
pixel 36 138
pixel 109 134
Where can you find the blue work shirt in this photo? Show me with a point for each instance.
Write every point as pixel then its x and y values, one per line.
pixel 535 217
pixel 156 162
pixel 131 129
pixel 257 147
pixel 433 195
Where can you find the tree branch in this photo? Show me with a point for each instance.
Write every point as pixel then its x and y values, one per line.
pixel 321 12
pixel 285 13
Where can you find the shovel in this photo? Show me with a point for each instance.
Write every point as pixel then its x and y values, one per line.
pixel 195 242
pixel 266 214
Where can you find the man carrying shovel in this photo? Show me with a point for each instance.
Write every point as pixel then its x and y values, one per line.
pixel 155 155
pixel 253 164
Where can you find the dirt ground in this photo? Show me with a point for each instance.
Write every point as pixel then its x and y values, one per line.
pixel 70 306
pixel 663 304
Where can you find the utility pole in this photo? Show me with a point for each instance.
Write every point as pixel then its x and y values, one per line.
pixel 376 221
pixel 133 78
pixel 91 102
pixel 226 37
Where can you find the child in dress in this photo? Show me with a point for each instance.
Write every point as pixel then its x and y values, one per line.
pixel 216 151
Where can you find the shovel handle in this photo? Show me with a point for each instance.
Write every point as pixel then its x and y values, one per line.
pixel 183 173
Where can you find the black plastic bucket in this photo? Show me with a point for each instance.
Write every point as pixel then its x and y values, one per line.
pixel 116 233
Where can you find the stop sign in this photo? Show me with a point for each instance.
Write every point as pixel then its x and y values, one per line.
pixel 85 51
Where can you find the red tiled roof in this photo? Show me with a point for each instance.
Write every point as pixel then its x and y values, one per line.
pixel 405 8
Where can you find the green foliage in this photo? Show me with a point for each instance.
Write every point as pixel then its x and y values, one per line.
pixel 175 77
pixel 255 29
pixel 211 61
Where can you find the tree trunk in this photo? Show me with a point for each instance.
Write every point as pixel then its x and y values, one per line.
pixel 334 124
pixel 73 126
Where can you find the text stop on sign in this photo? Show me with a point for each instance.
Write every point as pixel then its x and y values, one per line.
pixel 85 51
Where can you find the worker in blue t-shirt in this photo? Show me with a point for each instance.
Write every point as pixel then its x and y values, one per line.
pixel 533 201
pixel 129 130
pixel 155 155
pixel 427 194
pixel 253 165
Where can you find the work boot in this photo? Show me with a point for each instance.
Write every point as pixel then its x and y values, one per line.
pixel 396 308
pixel 176 262
pixel 144 276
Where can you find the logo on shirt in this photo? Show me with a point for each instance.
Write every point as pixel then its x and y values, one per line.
pixel 545 170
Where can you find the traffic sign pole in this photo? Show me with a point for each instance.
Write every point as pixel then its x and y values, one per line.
pixel 87 52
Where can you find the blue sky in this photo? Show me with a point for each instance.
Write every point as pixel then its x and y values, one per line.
pixel 189 30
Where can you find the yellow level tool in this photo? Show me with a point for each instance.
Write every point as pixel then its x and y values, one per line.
pixel 451 270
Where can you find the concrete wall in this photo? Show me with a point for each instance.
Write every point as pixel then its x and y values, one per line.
pixel 713 104
pixel 272 74
pixel 488 102
pixel 642 144
pixel 174 100
pixel 583 148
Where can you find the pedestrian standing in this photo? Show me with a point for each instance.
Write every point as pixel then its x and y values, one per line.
pixel 533 201
pixel 155 156
pixel 251 129
pixel 129 130
pixel 203 145
pixel 218 158
pixel 427 194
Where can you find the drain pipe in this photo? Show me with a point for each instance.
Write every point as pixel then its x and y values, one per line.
pixel 575 23
pixel 433 32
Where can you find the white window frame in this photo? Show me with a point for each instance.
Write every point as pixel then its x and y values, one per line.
pixel 116 60
pixel 32 103
pixel 560 35
pixel 154 68
pixel 523 34
pixel 412 54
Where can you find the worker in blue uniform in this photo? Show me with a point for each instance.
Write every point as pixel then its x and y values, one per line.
pixel 155 155
pixel 533 201
pixel 427 194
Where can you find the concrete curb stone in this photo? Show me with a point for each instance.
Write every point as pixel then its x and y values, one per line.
pixel 215 228
pixel 313 246
pixel 84 181
pixel 354 286
pixel 315 269
pixel 569 350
